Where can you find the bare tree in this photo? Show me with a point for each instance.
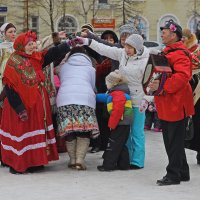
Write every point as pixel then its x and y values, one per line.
pixel 21 18
pixel 85 7
pixel 50 7
pixel 195 8
pixel 126 9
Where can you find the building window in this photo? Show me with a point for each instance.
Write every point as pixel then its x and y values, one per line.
pixel 68 24
pixel 2 20
pixel 103 1
pixel 35 24
pixel 103 4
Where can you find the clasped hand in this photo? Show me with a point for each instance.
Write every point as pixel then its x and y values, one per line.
pixel 154 85
pixel 78 41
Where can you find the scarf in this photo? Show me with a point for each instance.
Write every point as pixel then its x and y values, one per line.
pixel 24 72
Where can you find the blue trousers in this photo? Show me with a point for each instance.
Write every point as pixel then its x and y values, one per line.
pixel 136 140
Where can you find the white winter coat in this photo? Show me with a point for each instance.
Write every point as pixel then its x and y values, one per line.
pixel 131 66
pixel 77 78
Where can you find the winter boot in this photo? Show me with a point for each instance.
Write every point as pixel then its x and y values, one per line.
pixel 81 150
pixel 71 149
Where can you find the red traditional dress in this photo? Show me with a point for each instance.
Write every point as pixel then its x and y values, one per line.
pixel 32 142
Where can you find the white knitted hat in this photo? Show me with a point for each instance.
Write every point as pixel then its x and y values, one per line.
pixel 115 78
pixel 136 41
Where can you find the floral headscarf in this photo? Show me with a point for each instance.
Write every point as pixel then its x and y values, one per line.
pixel 23 39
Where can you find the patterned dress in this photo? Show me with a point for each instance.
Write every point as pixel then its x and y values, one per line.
pixel 32 142
pixel 77 118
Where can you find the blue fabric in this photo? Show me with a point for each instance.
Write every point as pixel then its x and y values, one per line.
pixel 102 97
pixel 136 140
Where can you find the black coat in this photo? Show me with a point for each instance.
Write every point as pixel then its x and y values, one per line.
pixel 194 144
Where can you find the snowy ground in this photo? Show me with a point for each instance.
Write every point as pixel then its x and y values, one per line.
pixel 58 182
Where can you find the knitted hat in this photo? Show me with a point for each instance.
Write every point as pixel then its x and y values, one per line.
pixel 115 78
pixel 173 27
pixel 6 26
pixel 127 28
pixel 115 38
pixel 87 26
pixel 136 41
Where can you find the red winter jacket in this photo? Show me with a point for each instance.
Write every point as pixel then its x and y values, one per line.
pixel 177 100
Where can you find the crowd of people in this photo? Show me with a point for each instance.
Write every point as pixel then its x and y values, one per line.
pixel 87 91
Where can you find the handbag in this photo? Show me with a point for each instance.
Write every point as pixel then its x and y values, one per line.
pixel 189 133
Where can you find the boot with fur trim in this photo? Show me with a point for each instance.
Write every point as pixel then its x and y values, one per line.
pixel 81 150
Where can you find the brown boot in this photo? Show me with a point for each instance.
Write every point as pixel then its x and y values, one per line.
pixel 81 150
pixel 71 149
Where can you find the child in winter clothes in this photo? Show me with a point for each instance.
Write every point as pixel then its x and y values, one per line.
pixel 120 109
pixel 152 117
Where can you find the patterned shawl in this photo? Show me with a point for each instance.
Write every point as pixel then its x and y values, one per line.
pixel 24 72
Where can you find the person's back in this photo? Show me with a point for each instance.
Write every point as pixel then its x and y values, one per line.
pixel 76 103
pixel 121 115
pixel 77 78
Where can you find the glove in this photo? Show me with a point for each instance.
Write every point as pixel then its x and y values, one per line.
pixel 78 41
pixel 84 41
pixel 23 115
pixel 154 51
pixel 143 106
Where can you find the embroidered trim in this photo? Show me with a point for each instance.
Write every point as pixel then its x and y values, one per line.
pixel 29 147
pixel 26 135
pixel 51 141
pixel 22 151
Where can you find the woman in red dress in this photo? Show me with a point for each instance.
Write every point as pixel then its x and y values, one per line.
pixel 27 134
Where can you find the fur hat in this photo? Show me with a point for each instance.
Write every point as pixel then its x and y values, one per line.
pixel 127 28
pixel 136 41
pixel 87 26
pixel 173 27
pixel 6 26
pixel 187 33
pixel 191 38
pixel 115 78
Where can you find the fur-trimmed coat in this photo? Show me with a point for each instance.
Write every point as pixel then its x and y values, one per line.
pixel 193 47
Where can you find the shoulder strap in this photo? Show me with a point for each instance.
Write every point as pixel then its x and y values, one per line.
pixel 175 49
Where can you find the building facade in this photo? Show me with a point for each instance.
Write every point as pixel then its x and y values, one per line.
pixel 69 15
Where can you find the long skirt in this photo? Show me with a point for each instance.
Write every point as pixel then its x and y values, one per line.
pixel 77 118
pixel 29 143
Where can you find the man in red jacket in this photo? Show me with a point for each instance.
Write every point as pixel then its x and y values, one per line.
pixel 175 104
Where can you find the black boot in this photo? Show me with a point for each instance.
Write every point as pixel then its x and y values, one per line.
pixel 101 168
pixel 198 157
pixel 13 171
pixel 35 169
pixel 4 164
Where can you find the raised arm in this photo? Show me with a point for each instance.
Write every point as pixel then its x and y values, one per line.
pixel 114 53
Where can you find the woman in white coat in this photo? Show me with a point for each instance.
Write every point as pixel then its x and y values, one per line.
pixel 76 103
pixel 133 60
